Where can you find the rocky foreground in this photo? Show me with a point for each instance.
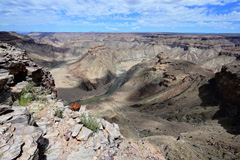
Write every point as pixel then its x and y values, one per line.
pixel 49 137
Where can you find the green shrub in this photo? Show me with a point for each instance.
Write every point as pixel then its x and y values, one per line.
pixel 58 113
pixel 90 122
pixel 29 88
pixel 25 99
pixel 31 92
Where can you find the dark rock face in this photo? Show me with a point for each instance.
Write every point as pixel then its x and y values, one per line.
pixel 16 67
pixel 228 83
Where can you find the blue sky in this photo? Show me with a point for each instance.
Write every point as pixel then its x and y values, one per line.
pixel 188 16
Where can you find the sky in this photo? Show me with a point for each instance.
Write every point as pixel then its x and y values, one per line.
pixel 186 16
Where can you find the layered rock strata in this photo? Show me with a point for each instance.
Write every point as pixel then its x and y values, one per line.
pixel 16 67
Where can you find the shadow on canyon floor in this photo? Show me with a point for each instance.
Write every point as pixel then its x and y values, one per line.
pixel 86 89
pixel 230 123
pixel 209 96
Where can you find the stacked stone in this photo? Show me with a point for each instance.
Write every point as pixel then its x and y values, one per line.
pixel 48 82
pixel 16 67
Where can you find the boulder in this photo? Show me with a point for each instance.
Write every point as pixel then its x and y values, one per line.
pixel 84 134
pixel 113 130
pixel 76 130
pixel 83 153
pixel 35 73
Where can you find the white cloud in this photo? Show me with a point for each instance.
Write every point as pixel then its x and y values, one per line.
pixel 113 29
pixel 134 13
pixel 136 28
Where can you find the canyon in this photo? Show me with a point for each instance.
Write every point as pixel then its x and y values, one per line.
pixel 180 92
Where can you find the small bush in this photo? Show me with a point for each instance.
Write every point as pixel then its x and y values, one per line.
pixel 90 122
pixel 25 99
pixel 58 113
pixel 30 92
pixel 29 88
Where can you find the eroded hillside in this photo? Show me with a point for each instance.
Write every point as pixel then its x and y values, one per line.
pixel 175 105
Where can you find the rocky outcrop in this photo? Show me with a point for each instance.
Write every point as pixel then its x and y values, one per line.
pixel 16 67
pixel 228 83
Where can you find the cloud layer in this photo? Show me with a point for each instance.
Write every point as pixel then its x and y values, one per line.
pixel 113 15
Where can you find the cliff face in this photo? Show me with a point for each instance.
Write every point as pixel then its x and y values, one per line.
pixel 15 68
pixel 228 82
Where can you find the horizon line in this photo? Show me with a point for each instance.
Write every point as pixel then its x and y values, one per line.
pixel 22 32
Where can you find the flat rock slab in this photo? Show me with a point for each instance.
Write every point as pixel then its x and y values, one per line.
pixel 51 134
pixel 83 153
pixel 84 134
pixel 18 88
pixel 53 154
pixel 4 148
pixel 13 152
pixel 71 121
pixel 5 118
pixel 4 127
pixel 76 130
pixel 113 130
